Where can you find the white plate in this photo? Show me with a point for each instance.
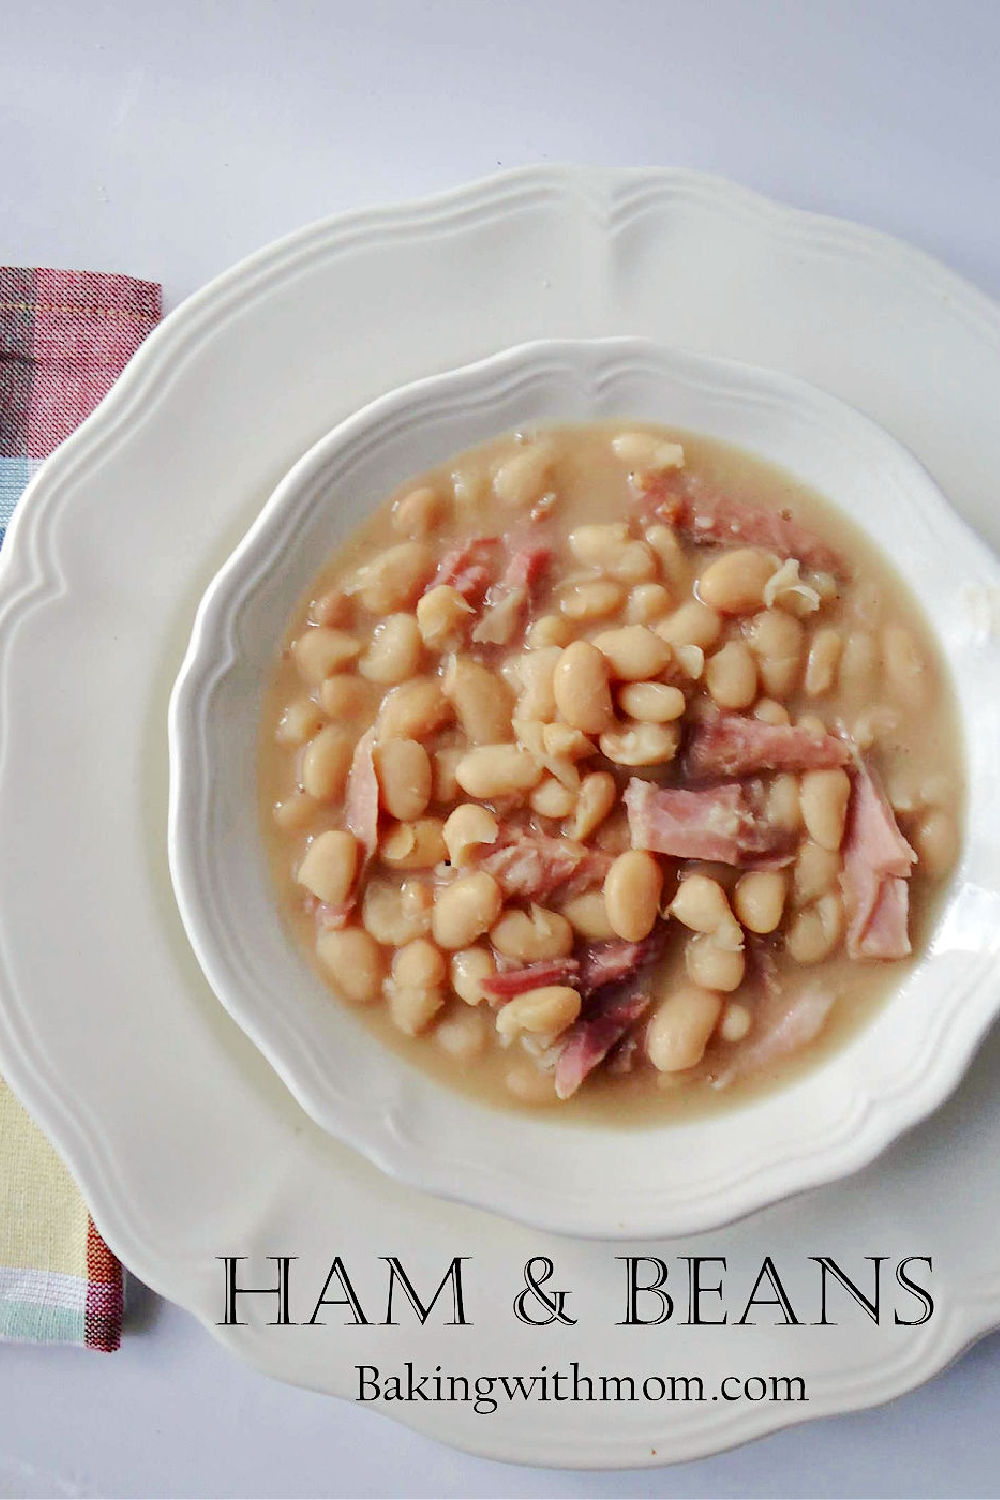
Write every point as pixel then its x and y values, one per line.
pixel 184 1141
pixel 684 1177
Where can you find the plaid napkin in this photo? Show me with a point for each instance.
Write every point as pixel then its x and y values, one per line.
pixel 65 336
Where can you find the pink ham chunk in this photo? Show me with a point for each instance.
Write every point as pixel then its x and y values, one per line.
pixel 877 862
pixel 361 796
pixel 716 519
pixel 719 823
pixel 802 1021
pixel 505 985
pixel 732 745
pixel 470 568
pixel 533 865
pixel 591 1038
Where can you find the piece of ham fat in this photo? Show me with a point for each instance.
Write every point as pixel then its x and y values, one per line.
pixel 877 863
pixel 361 796
pixel 732 745
pixel 719 823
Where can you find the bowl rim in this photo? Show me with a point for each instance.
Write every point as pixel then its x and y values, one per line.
pixel 385 1138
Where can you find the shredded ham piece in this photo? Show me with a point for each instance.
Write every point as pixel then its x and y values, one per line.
pixel 614 961
pixel 801 1023
pixel 719 823
pixel 708 518
pixel 361 796
pixel 591 1038
pixel 508 600
pixel 733 745
pixel 877 862
pixel 532 977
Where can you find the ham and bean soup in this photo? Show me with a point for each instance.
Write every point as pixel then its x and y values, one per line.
pixel 610 764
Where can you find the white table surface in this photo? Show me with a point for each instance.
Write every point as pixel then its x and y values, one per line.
pixel 167 138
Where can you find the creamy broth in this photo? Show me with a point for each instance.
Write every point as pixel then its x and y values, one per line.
pixel 842 649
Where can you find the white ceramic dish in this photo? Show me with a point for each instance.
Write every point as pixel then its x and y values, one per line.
pixel 185 1142
pixel 682 1177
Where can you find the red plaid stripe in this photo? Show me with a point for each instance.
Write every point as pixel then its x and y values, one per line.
pixel 65 337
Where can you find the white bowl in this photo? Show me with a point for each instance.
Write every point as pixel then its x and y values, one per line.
pixel 672 1179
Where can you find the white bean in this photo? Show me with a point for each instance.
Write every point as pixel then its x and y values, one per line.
pixel 641 744
pixel 816 931
pixel 770 712
pixel 546 1011
pixel 395 578
pixel 334 607
pixel 597 796
pixel 413 1009
pixel 549 630
pixel 735 1022
pixel 824 659
pixel 633 653
pixel 582 691
pixel 647 602
pixel 648 452
pixel 419 965
pixel 469 827
pixel 395 651
pixel 521 480
pixel 701 904
pixel 419 512
pixel 694 624
pixel 325 763
pixel 442 615
pixel 591 599
pixel 824 796
pixel 588 915
pixel 465 909
pixel 343 697
pixel 319 652
pixel 731 676
pixel 935 839
pixel 354 961
pixel 814 873
pixel 776 640
pixel 299 722
pixel 404 773
pixel 651 702
pixel 413 846
pixel 551 799
pixel 463 1035
pixel 531 937
pixel 329 866
pixel 491 771
pixel 395 914
pixel 734 583
pixel 483 702
pixel 413 710
pixel 713 966
pixel 679 1029
pixel 632 889
pixel 469 967
pixel 905 666
pixel 759 899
